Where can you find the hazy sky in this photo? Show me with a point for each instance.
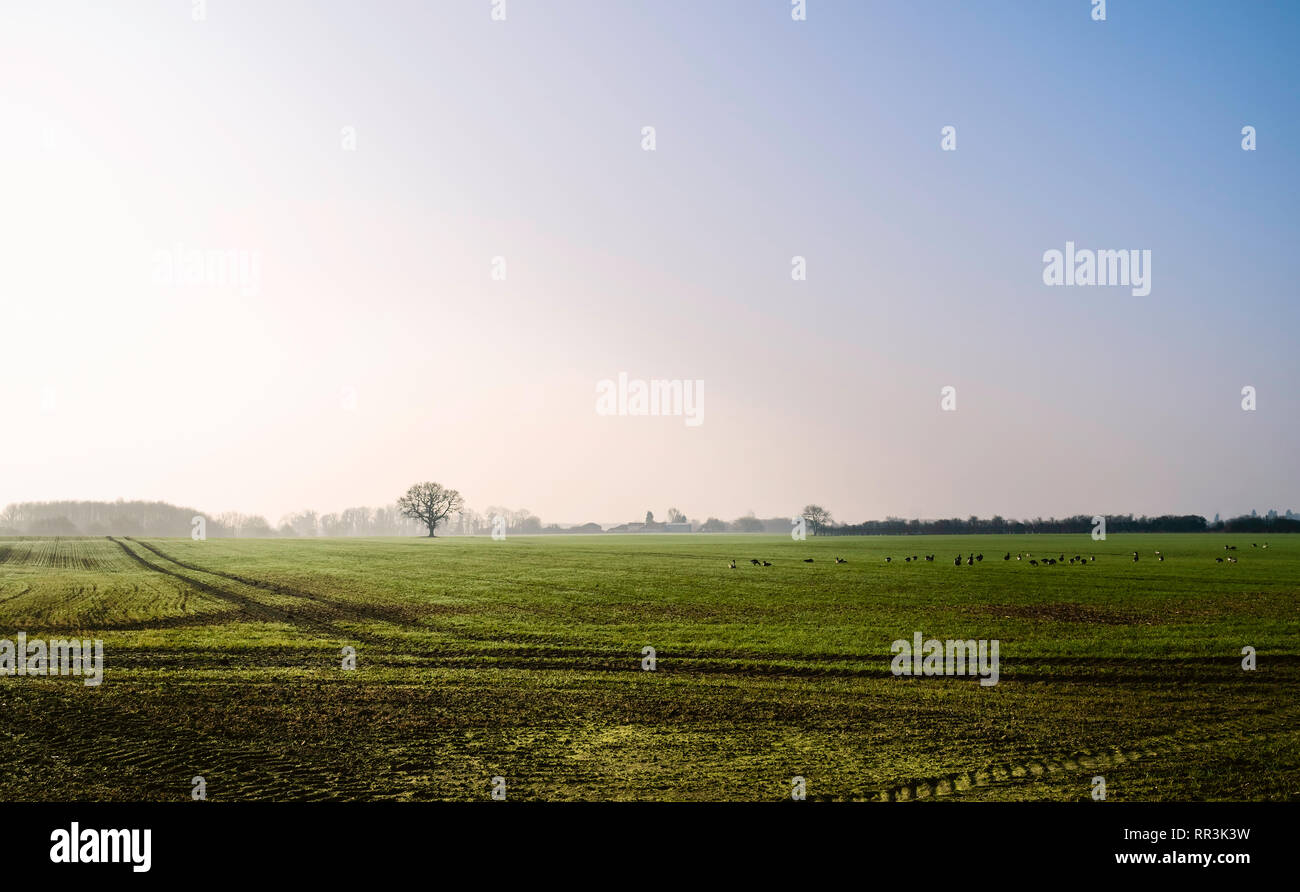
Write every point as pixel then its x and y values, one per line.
pixel 366 345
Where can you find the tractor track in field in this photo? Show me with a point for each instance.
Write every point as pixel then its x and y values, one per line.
pixel 321 619
pixel 348 611
pixel 396 655
pixel 251 607
pixel 1034 767
pixel 26 588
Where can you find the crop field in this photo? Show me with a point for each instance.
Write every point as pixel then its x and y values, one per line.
pixel 523 659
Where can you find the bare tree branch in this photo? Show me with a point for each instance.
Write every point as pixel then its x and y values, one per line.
pixel 429 503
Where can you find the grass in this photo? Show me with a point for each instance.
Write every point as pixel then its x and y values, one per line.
pixel 522 658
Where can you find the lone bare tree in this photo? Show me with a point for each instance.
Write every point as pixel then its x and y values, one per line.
pixel 429 503
pixel 818 518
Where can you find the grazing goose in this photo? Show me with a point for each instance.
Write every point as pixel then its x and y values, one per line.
pixel 1033 563
pixel 807 560
pixel 979 557
pixel 755 561
pixel 767 563
pixel 1218 560
pixel 888 560
pixel 840 560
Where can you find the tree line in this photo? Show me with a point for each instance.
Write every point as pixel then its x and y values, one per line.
pixel 1079 523
pixel 452 517
pixel 139 518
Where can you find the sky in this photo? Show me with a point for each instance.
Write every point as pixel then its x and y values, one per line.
pixel 268 256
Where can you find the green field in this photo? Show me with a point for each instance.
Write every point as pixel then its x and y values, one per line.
pixel 522 659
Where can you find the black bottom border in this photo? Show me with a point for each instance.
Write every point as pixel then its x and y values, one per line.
pixel 676 842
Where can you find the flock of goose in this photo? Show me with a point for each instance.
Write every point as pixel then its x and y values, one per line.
pixel 971 559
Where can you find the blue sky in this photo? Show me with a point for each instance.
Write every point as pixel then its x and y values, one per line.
pixel 136 129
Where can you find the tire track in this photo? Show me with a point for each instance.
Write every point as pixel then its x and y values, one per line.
pixel 249 606
pixel 1031 770
pixel 351 612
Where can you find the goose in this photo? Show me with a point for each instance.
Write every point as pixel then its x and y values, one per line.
pixel 1218 560
pixel 754 561
pixel 979 557
pixel 1007 556
pixel 767 563
pixel 810 560
pixel 888 560
pixel 957 563
pixel 732 565
pixel 1033 563
pixel 840 560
